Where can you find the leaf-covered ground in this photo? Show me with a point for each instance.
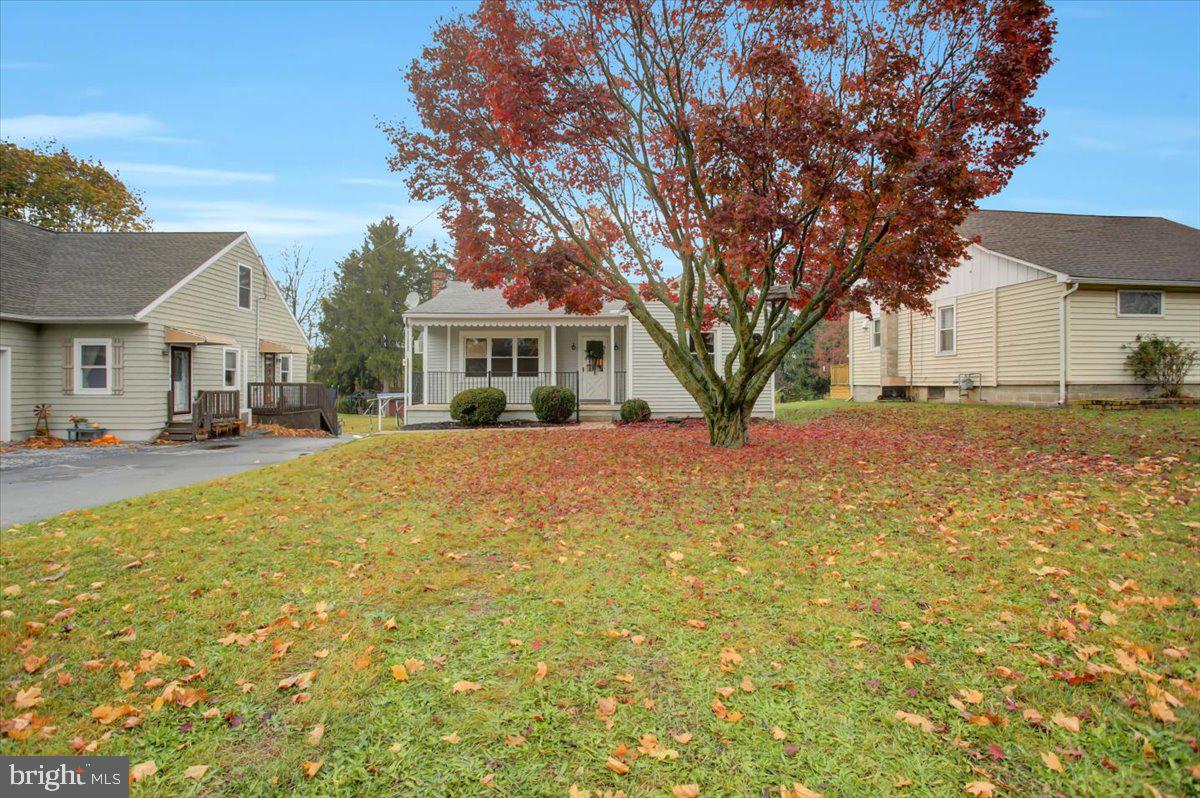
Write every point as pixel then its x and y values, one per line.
pixel 910 600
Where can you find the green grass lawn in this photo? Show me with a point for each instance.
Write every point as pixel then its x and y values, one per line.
pixel 878 600
pixel 353 424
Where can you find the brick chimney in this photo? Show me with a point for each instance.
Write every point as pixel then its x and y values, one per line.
pixel 438 278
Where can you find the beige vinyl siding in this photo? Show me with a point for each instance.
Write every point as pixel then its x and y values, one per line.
pixel 25 372
pixel 1029 345
pixel 654 382
pixel 864 360
pixel 1095 333
pixel 208 303
pixel 139 412
pixel 974 333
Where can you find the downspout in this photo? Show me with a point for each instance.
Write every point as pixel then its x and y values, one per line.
pixel 1062 345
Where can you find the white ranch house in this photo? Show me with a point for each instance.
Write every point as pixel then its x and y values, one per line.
pixel 471 337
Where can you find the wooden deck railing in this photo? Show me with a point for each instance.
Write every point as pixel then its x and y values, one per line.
pixel 215 409
pixel 276 398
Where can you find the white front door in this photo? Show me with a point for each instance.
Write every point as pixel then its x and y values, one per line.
pixel 593 367
pixel 5 394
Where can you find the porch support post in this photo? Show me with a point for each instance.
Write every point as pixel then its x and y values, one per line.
pixel 407 369
pixel 553 354
pixel 448 366
pixel 612 364
pixel 628 359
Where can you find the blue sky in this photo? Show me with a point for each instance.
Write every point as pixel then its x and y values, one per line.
pixel 263 116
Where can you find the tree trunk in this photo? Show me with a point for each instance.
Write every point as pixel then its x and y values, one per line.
pixel 729 426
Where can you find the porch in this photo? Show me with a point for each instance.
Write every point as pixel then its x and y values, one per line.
pixel 516 355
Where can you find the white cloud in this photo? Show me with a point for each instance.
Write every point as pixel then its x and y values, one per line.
pixel 268 221
pixel 162 174
pixel 14 66
pixel 98 125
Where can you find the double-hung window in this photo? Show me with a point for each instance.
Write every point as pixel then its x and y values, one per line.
pixel 230 368
pixel 1139 303
pixel 708 340
pixel 946 330
pixel 245 283
pixel 876 333
pixel 93 365
pixel 285 368
pixel 503 356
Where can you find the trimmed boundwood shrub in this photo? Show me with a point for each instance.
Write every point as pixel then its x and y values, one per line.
pixel 475 407
pixel 553 404
pixel 635 410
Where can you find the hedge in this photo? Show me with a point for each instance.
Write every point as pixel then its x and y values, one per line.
pixel 475 407
pixel 552 404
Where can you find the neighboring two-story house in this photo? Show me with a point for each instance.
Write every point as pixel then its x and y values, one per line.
pixel 1038 313
pixel 127 329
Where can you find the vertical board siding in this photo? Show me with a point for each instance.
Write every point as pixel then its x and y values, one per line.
pixel 26 373
pixel 1095 334
pixel 1029 345
pixel 654 382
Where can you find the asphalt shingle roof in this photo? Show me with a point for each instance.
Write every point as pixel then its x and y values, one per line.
pixel 1125 248
pixel 459 299
pixel 46 274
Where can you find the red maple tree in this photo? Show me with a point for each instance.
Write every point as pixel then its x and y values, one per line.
pixel 709 161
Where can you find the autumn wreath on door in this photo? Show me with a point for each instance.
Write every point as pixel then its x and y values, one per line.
pixel 593 356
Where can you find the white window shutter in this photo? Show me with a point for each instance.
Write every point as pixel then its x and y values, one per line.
pixel 68 367
pixel 118 366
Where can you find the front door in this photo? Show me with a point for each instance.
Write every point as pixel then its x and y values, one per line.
pixel 181 379
pixel 269 368
pixel 593 367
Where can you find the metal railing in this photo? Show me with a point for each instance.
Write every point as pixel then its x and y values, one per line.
pixel 619 388
pixel 439 387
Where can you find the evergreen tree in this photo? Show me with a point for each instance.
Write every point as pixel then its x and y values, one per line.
pixel 361 326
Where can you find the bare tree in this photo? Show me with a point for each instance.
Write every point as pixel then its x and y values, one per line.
pixel 302 286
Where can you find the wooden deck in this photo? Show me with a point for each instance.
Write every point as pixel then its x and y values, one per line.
pixel 213 413
pixel 298 405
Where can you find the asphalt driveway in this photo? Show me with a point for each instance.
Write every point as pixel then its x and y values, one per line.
pixel 39 484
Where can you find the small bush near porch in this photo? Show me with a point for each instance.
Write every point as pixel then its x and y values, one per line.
pixel 919 600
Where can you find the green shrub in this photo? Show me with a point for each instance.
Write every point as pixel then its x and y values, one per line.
pixel 635 410
pixel 552 404
pixel 1162 361
pixel 475 407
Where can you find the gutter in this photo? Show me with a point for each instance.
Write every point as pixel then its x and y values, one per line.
pixel 1062 345
pixel 70 319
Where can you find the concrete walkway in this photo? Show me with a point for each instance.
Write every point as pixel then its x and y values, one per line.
pixel 38 484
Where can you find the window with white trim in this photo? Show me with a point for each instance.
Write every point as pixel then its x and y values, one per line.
pixel 946 330
pixel 285 368
pixel 1139 303
pixel 876 333
pixel 709 341
pixel 245 284
pixel 93 365
pixel 501 355
pixel 230 368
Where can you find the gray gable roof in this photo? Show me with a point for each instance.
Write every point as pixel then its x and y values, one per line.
pixel 51 275
pixel 1125 249
pixel 461 299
